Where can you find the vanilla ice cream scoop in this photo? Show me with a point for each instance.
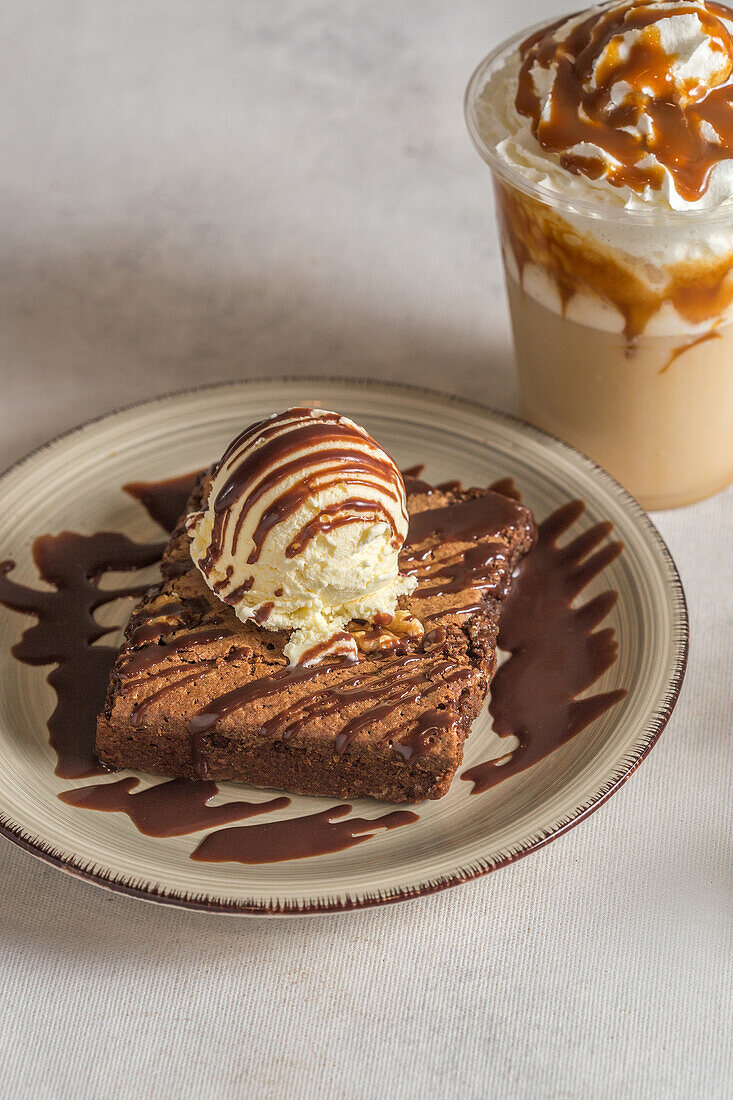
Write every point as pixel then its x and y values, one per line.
pixel 302 528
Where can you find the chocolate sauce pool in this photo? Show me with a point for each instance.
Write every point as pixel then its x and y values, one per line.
pixel 73 564
pixel 296 837
pixel 172 808
pixel 164 501
pixel 66 628
pixel 556 653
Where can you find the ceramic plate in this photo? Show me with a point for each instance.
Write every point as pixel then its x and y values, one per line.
pixel 75 483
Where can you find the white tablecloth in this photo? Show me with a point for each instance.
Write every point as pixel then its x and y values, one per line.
pixel 196 191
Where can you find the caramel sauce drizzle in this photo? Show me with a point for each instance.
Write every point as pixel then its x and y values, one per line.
pixel 688 345
pixel 581 109
pixel 699 290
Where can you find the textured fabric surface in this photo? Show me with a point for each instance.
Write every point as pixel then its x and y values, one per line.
pixel 202 191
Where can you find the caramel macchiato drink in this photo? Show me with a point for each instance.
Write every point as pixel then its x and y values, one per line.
pixel 610 137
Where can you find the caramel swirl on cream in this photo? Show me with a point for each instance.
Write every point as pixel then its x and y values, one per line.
pixel 637 93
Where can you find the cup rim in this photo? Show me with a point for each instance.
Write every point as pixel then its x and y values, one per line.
pixel 589 207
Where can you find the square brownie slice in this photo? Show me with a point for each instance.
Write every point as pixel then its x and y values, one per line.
pixel 197 693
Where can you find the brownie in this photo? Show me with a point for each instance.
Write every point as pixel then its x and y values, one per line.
pixel 197 693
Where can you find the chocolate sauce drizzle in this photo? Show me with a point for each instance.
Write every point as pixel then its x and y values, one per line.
pixel 418 737
pixel 172 808
pixel 406 678
pixel 484 516
pixel 476 571
pixel 319 453
pixel 414 482
pixel 140 655
pixel 339 644
pixel 297 837
pixel 342 514
pixel 556 651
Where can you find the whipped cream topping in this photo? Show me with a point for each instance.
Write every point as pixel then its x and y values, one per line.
pixel 628 102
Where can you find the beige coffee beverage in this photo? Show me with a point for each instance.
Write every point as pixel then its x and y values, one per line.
pixel 610 138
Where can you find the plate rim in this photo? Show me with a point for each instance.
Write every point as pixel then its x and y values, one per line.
pixel 649 735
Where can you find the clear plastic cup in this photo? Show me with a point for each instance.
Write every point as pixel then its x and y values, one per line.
pixel 625 352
